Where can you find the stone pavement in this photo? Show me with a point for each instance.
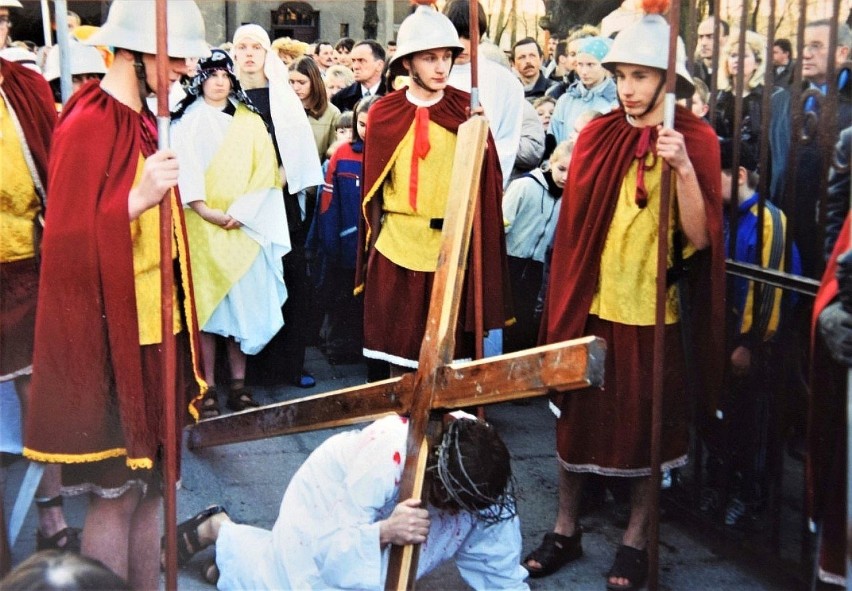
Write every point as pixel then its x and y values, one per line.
pixel 249 479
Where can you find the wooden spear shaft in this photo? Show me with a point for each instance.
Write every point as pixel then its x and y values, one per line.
pixel 479 308
pixel 660 313
pixel 168 348
pixel 476 247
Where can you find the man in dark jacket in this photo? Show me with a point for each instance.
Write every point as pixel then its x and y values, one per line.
pixel 368 64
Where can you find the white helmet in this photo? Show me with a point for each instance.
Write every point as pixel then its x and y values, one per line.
pixel 131 24
pixel 25 57
pixel 646 43
pixel 85 59
pixel 425 29
pixel 10 4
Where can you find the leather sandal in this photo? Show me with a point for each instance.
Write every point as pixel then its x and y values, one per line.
pixel 630 563
pixel 70 535
pixel 209 407
pixel 241 399
pixel 188 543
pixel 554 552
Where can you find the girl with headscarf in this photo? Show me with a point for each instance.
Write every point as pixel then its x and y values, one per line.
pixel 229 182
pixel 594 89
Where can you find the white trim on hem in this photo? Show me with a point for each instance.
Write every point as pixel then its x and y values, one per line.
pixel 831 578
pixel 623 473
pixel 381 355
pixel 24 371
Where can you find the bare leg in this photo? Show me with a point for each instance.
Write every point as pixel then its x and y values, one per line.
pixel 570 491
pixel 636 534
pixel 50 519
pixel 144 543
pixel 108 528
pixel 208 357
pixel 237 362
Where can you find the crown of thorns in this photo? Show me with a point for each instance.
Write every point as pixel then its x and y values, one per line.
pixel 462 489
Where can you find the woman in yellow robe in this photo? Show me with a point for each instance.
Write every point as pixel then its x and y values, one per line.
pixel 236 223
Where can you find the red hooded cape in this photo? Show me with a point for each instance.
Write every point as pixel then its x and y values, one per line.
pixel 88 397
pixel 601 158
pixel 392 117
pixel 30 96
pixel 826 459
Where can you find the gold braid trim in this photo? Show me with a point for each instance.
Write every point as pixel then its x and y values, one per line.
pixel 188 307
pixel 54 458
pixel 140 463
pixel 117 452
pixel 374 189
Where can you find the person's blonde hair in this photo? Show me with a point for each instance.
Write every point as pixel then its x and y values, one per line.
pixel 562 149
pixel 292 48
pixel 340 71
pixel 756 43
pixel 582 32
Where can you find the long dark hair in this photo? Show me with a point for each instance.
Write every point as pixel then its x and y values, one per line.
pixel 317 101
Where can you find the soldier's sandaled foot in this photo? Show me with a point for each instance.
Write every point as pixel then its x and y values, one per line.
pixel 554 552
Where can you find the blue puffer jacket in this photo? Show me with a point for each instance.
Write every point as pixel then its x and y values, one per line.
pixel 333 237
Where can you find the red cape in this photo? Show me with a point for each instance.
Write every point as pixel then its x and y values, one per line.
pixel 601 159
pixel 30 96
pixel 87 339
pixel 825 468
pixel 391 117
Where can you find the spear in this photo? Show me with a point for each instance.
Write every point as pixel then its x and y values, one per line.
pixel 167 350
pixel 660 312
pixel 479 328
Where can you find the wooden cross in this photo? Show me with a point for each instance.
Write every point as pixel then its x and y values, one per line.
pixel 438 383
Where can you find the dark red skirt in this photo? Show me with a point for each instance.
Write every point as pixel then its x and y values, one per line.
pixel 396 305
pixel 112 477
pixel 608 431
pixel 18 297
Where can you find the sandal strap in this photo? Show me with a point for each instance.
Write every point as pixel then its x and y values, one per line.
pixel 46 502
pixel 630 563
pixel 71 535
pixel 554 552
pixel 188 543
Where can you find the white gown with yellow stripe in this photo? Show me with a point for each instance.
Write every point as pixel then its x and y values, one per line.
pixel 229 162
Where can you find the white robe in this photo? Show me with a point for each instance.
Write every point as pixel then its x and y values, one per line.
pixel 502 98
pixel 327 532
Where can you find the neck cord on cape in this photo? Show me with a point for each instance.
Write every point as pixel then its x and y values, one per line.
pixel 645 146
pixel 419 151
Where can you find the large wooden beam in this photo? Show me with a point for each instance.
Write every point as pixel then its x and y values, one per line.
pixel 349 406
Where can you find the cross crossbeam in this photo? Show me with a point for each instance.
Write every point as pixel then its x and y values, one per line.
pixel 438 383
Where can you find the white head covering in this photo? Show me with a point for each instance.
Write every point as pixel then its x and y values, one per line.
pixel 292 130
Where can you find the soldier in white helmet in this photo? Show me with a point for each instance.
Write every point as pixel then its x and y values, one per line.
pixel 408 158
pixel 97 396
pixel 27 119
pixel 602 282
pixel 86 64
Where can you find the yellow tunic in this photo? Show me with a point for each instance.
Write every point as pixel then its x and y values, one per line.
pixel 145 234
pixel 406 237
pixel 627 289
pixel 19 202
